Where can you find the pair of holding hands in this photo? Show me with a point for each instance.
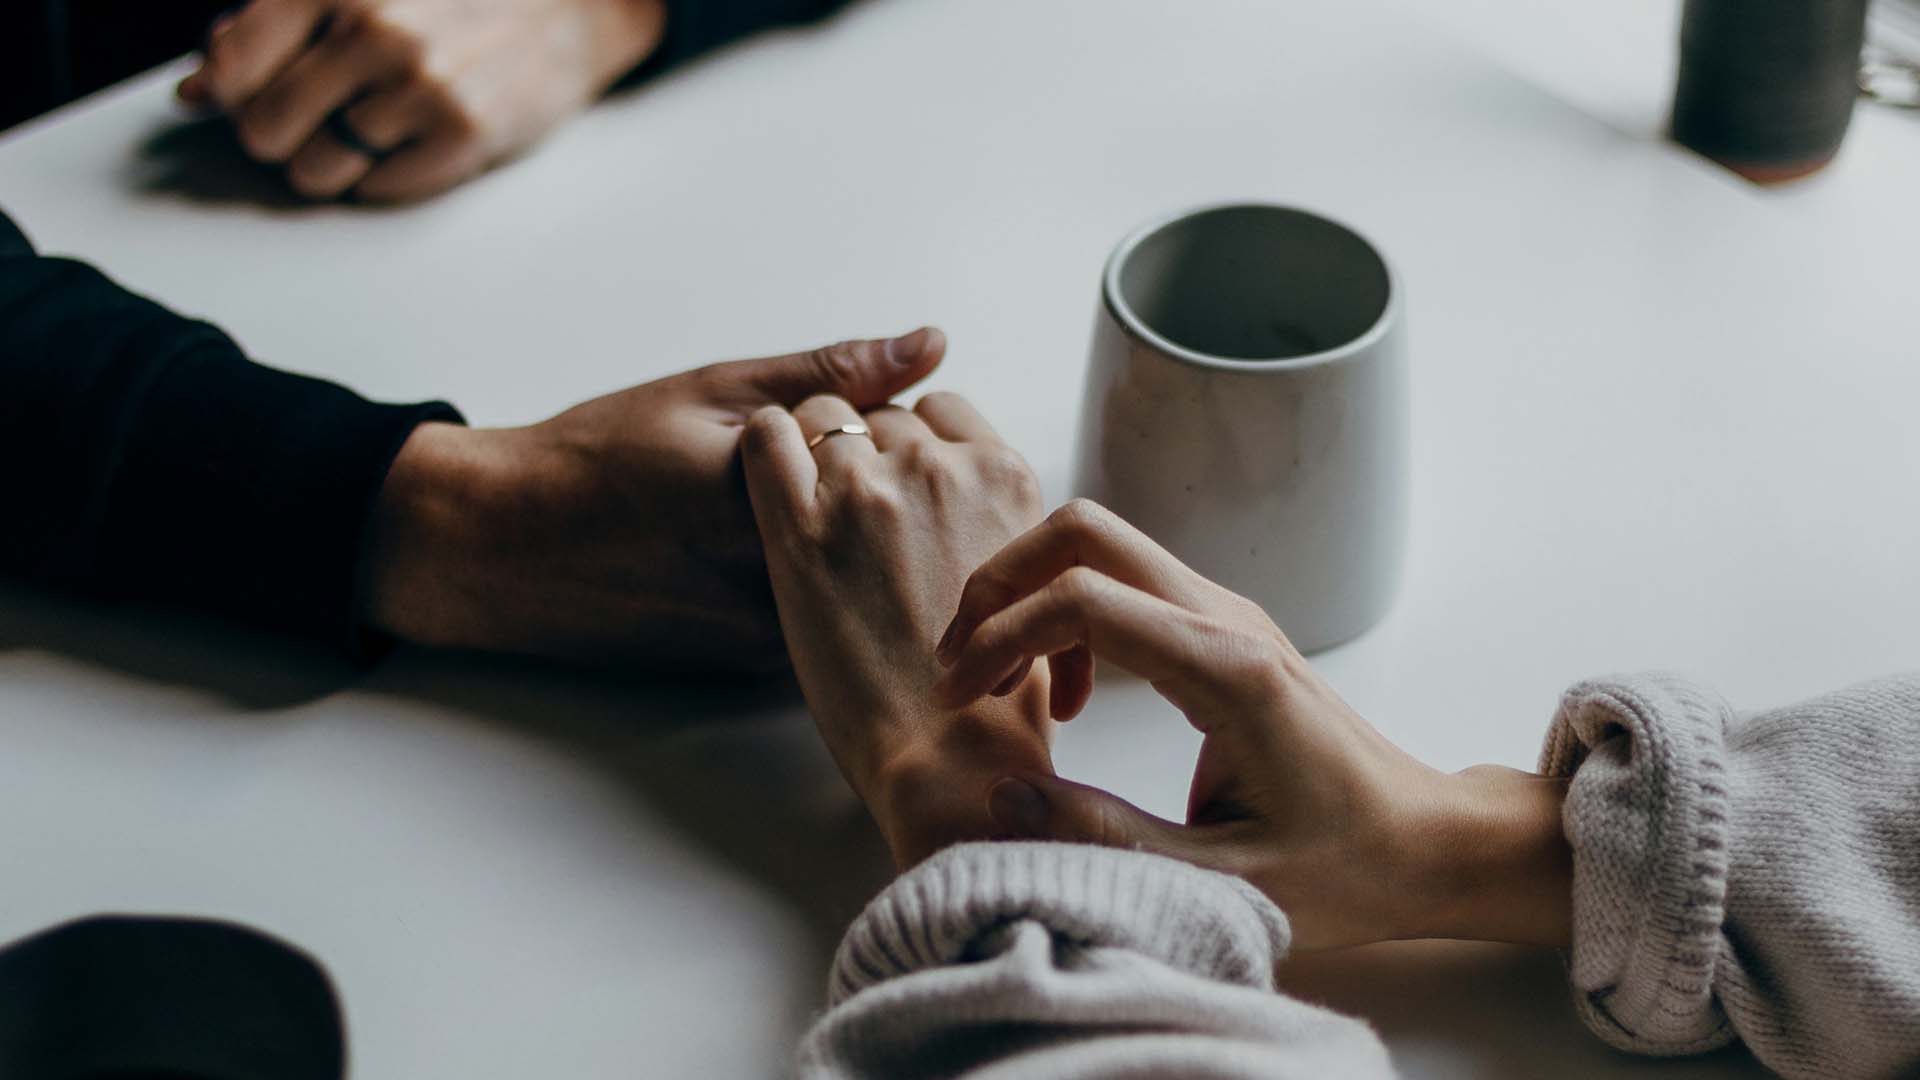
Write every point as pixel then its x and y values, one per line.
pixel 939 622
pixel 933 532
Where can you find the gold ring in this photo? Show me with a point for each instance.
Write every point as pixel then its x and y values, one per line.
pixel 843 429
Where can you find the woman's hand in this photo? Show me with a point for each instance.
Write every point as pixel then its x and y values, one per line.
pixel 618 531
pixel 429 91
pixel 1294 791
pixel 868 542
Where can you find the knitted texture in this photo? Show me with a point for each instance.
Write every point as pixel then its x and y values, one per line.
pixel 1755 878
pixel 1063 960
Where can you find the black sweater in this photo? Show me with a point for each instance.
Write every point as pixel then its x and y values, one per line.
pixel 148 459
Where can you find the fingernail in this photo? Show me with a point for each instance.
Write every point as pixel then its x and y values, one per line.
pixel 1018 808
pixel 941 651
pixel 908 348
pixel 1010 683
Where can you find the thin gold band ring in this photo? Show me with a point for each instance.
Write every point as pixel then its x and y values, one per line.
pixel 843 429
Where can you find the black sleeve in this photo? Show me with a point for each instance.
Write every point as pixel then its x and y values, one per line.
pixel 146 458
pixel 698 26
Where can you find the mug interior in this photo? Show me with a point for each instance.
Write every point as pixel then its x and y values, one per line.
pixel 1252 283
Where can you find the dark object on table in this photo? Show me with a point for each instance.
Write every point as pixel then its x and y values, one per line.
pixel 187 999
pixel 53 51
pixel 1767 86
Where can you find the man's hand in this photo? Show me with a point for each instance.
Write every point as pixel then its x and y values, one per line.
pixel 617 531
pixel 428 92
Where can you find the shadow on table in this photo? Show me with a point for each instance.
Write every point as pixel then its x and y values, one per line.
pixel 1480 1011
pixel 201 161
pixel 253 672
pixel 731 764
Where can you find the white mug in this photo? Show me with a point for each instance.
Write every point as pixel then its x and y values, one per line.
pixel 1247 407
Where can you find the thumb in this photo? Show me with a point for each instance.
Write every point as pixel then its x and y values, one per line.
pixel 1048 808
pixel 866 373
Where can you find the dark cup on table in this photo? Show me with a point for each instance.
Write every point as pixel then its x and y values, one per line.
pixel 1767 86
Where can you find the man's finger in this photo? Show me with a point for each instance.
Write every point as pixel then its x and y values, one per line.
pixel 428 167
pixel 1080 533
pixel 866 373
pixel 389 117
pixel 280 119
pixel 248 53
pixel 325 167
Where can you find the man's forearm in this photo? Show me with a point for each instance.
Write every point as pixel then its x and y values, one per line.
pixel 153 461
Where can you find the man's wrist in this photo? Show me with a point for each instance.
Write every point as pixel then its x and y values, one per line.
pixel 424 561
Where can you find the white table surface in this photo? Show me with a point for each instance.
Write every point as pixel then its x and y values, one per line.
pixel 1662 419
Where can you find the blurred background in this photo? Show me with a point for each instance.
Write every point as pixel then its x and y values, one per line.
pixel 55 51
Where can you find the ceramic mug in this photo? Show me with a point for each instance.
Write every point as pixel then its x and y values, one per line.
pixel 1247 407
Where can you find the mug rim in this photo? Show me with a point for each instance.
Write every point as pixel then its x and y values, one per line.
pixel 1133 325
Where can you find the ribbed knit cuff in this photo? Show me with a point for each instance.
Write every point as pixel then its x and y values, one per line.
pixel 1646 815
pixel 1194 920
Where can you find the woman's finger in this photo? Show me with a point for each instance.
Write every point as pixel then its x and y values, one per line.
pixel 824 417
pixel 894 427
pixel 954 418
pixel 781 475
pixel 280 119
pixel 1072 682
pixel 1012 682
pixel 246 54
pixel 1142 633
pixel 1049 808
pixel 1080 533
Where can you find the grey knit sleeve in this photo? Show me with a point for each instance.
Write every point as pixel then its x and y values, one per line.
pixel 1063 960
pixel 1754 878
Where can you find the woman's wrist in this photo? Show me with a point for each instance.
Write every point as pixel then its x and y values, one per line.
pixel 932 792
pixel 1491 862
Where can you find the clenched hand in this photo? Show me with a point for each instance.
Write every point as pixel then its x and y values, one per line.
pixel 400 99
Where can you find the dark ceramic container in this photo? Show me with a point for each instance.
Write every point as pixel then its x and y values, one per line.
pixel 1767 86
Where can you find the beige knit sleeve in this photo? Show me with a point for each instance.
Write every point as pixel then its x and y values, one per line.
pixel 1753 878
pixel 1063 961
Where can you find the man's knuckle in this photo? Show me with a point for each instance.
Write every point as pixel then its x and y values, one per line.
pixel 403 46
pixel 312 183
pixel 837 364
